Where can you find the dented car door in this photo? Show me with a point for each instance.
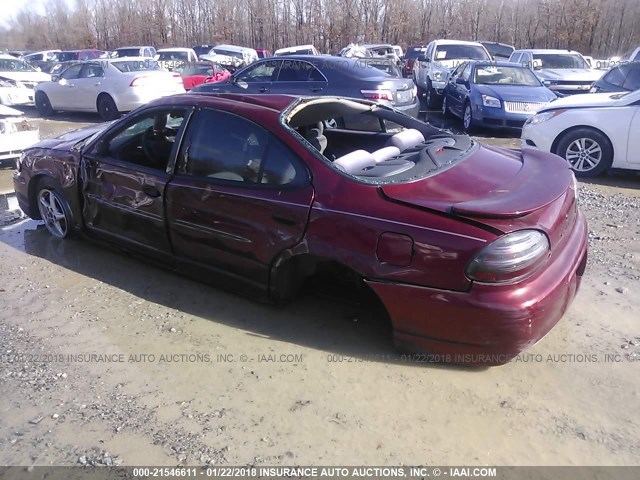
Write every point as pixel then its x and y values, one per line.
pixel 124 177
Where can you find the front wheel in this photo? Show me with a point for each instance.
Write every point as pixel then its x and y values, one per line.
pixel 431 97
pixel 43 105
pixel 588 151
pixel 467 118
pixel 445 107
pixel 54 211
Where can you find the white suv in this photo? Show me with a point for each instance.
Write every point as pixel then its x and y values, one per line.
pixel 431 69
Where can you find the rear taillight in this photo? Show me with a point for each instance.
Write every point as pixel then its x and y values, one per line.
pixel 139 81
pixel 377 94
pixel 510 258
pixel 178 78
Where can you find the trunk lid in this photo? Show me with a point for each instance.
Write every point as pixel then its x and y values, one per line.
pixel 493 183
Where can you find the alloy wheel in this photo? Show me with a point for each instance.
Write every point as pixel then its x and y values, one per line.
pixel 52 213
pixel 584 154
pixel 467 117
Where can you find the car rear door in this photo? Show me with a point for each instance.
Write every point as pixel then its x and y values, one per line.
pixel 299 78
pixel 124 176
pixel 239 197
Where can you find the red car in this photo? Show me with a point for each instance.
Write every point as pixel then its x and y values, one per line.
pixel 475 252
pixel 410 55
pixel 197 73
pixel 263 53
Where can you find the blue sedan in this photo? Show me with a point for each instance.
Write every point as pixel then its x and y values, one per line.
pixel 494 94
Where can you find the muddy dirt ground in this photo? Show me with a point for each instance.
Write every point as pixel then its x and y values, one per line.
pixel 108 360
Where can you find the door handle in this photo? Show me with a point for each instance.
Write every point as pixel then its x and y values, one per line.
pixel 151 191
pixel 317 89
pixel 264 89
pixel 97 83
pixel 284 219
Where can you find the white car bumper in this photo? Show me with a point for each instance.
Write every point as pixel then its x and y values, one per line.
pixel 537 136
pixel 10 96
pixel 16 134
pixel 135 97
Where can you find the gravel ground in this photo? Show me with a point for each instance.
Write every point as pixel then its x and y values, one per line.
pixel 103 367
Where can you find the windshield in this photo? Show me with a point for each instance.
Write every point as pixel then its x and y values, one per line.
pixel 386 67
pixel 414 52
pixel 496 75
pixel 188 71
pixel 173 56
pixel 302 51
pixel 228 53
pixel 128 52
pixel 15 65
pixel 560 60
pixel 66 56
pixel 501 51
pixel 136 65
pixel 471 52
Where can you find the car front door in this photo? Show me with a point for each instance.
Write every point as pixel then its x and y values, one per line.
pixel 63 93
pixel 298 77
pixel 89 85
pixel 256 78
pixel 464 89
pixel 453 99
pixel 238 199
pixel 634 138
pixel 124 175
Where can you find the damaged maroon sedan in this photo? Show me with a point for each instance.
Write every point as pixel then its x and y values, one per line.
pixel 475 252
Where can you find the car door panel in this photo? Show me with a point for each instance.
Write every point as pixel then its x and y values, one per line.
pixel 233 229
pixel 298 77
pixel 219 215
pixel 124 196
pixel 633 149
pixel 256 78
pixel 88 86
pixel 125 202
pixel 63 95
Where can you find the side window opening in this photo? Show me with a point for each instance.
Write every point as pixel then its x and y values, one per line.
pixel 147 141
pixel 242 152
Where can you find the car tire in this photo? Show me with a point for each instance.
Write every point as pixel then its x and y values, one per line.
pixel 54 209
pixel 588 151
pixel 445 108
pixel 43 105
pixel 467 118
pixel 431 97
pixel 107 107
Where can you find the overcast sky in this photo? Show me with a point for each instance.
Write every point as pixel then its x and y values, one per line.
pixel 11 7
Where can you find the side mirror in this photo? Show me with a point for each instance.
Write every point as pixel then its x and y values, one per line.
pixel 461 81
pixel 55 78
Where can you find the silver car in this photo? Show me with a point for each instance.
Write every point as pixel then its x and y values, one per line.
pixel 563 71
pixel 106 86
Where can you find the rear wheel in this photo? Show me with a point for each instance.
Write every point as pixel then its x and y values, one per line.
pixel 588 151
pixel 107 107
pixel 54 210
pixel 43 105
